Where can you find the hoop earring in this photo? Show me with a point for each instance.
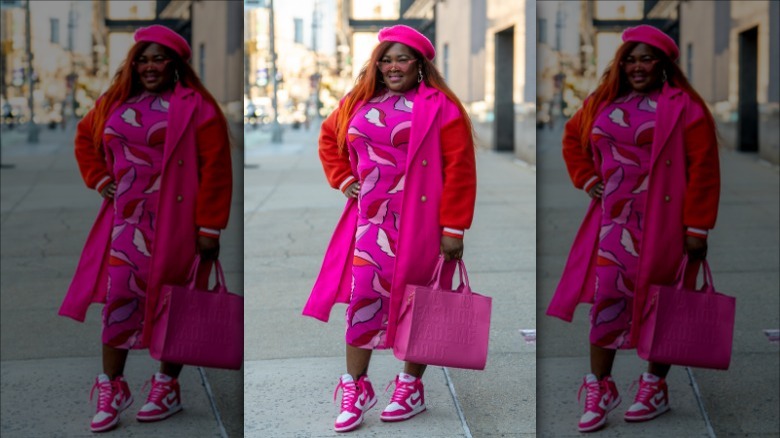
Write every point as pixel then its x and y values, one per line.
pixel 419 76
pixel 663 77
pixel 176 76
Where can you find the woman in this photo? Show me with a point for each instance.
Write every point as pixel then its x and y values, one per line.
pixel 644 147
pixel 156 148
pixel 400 148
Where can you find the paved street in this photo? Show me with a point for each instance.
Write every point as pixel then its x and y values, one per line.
pixel 743 254
pixel 49 363
pixel 293 363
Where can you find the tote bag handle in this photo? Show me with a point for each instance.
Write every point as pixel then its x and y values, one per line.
pixel 707 287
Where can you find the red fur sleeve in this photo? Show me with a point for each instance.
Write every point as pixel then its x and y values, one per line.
pixel 212 208
pixel 460 176
pixel 91 160
pixel 335 163
pixel 579 162
pixel 703 171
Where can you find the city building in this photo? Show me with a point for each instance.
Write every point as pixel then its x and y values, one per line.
pixel 486 50
pixel 63 60
pixel 217 52
pixel 731 54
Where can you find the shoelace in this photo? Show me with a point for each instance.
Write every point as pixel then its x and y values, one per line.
pixel 159 389
pixel 348 394
pixel 592 394
pixel 646 390
pixel 106 392
pixel 402 390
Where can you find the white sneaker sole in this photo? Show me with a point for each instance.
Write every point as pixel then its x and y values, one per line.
pixel 160 417
pixel 648 417
pixel 359 421
pixel 114 423
pixel 603 421
pixel 406 416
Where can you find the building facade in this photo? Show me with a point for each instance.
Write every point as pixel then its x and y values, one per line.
pixel 486 50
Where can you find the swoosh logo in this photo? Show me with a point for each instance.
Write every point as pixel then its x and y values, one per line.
pixel 414 403
pixel 361 401
pixel 169 400
pixel 657 399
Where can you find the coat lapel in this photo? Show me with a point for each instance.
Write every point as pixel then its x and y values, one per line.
pixel 667 115
pixel 179 115
pixel 423 115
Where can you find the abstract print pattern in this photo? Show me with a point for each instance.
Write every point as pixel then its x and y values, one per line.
pixel 379 133
pixel 135 136
pixel 623 135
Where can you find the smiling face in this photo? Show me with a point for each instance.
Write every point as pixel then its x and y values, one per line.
pixel 399 67
pixel 642 68
pixel 154 68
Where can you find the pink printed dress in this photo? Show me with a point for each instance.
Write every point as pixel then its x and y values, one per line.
pixel 622 135
pixel 134 137
pixel 379 134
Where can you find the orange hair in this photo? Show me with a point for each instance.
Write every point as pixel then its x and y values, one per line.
pixel 368 85
pixel 126 84
pixel 613 83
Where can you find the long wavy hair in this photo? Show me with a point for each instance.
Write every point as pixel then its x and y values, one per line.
pixel 369 84
pixel 126 83
pixel 614 83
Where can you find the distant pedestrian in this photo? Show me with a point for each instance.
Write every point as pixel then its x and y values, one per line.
pixel 644 148
pixel 400 138
pixel 156 147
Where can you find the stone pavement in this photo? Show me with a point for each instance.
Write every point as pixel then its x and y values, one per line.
pixel 293 363
pixel 743 255
pixel 49 363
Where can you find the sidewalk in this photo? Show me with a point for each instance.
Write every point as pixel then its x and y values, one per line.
pixel 293 362
pixel 743 254
pixel 49 363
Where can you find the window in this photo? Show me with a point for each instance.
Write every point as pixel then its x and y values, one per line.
pixel 298 30
pixel 541 28
pixel 202 62
pixel 446 62
pixel 689 61
pixel 54 28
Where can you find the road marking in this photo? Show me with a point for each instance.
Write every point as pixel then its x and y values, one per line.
pixel 461 415
pixel 529 335
pixel 700 402
pixel 773 335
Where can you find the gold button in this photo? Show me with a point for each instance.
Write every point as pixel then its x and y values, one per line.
pixel 423 198
pixel 425 162
pixel 181 162
pixel 668 162
pixel 667 198
pixel 179 198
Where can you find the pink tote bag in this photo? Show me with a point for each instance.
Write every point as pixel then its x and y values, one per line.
pixel 444 327
pixel 688 327
pixel 199 327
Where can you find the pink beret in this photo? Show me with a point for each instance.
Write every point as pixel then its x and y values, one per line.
pixel 654 37
pixel 410 37
pixel 166 37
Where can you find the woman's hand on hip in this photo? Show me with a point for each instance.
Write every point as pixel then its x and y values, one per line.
pixel 695 247
pixel 451 248
pixel 208 248
pixel 352 190
pixel 597 190
pixel 109 190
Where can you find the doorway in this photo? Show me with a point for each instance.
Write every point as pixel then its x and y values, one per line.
pixel 747 126
pixel 504 110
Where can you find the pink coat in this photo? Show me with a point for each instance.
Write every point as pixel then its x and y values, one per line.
pixel 420 230
pixel 683 191
pixel 190 131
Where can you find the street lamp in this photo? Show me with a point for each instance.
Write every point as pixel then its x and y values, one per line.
pixel 276 129
pixel 32 128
